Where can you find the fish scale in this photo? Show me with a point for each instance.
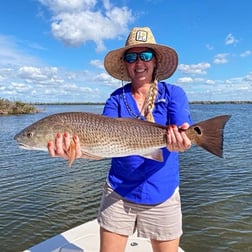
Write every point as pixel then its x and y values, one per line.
pixel 129 136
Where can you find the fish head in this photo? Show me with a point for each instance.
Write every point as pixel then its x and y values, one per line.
pixel 37 135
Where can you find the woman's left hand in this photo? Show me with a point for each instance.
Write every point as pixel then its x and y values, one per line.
pixel 177 139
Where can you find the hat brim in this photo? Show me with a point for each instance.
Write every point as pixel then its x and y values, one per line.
pixel 167 61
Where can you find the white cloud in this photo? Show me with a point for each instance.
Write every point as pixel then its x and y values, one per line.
pixel 57 6
pixel 199 68
pixel 107 80
pixel 248 78
pixel 97 63
pixel 230 40
pixel 246 53
pixel 36 74
pixel 51 84
pixel 184 80
pixel 221 58
pixel 76 22
pixel 6 73
pixel 195 80
pixel 210 82
pixel 219 90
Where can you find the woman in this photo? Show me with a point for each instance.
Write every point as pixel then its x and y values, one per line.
pixel 142 194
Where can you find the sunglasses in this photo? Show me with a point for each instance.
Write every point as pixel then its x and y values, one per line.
pixel 132 57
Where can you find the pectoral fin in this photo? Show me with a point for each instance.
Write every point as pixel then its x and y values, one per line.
pixel 91 156
pixel 71 153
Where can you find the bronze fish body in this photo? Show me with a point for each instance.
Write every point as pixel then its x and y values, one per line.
pixel 105 137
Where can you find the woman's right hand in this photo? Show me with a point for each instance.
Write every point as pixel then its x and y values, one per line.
pixel 65 147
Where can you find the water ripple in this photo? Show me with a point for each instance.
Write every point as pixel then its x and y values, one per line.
pixel 41 196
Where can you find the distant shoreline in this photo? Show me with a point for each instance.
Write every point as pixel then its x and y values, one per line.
pixel 15 108
pixel 102 103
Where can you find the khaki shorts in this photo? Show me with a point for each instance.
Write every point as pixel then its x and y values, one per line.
pixel 157 222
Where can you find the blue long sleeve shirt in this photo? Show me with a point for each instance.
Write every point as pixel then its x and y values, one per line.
pixel 136 178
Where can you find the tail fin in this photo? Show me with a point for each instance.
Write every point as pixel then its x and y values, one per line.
pixel 209 134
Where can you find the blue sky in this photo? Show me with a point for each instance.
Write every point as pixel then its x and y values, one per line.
pixel 53 50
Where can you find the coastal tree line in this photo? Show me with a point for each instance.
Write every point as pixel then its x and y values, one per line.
pixel 17 107
pixel 8 107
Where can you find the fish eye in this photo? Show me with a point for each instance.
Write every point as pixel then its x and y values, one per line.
pixel 29 134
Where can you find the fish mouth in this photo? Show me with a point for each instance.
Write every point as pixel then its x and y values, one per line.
pixel 24 146
pixel 28 147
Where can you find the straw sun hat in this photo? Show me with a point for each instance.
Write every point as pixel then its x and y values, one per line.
pixel 167 58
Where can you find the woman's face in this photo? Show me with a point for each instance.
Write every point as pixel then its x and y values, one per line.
pixel 140 70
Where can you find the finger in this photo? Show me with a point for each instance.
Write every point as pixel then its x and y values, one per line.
pixel 178 144
pixel 173 135
pixel 66 142
pixel 187 142
pixel 177 135
pixel 171 139
pixel 168 136
pixel 184 126
pixel 78 152
pixel 51 147
pixel 59 150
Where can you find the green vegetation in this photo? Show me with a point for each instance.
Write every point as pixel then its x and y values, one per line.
pixel 68 103
pixel 13 108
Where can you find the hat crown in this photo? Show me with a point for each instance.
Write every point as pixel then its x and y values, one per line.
pixel 140 36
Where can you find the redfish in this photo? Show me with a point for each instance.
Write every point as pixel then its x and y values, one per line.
pixel 105 137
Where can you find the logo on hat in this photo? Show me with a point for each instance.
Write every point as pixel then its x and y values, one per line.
pixel 141 36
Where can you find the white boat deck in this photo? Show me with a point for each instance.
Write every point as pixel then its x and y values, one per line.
pixel 85 238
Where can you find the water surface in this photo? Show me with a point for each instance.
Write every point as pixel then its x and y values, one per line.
pixel 41 196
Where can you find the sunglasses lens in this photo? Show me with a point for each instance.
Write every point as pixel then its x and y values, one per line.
pixel 132 57
pixel 146 56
